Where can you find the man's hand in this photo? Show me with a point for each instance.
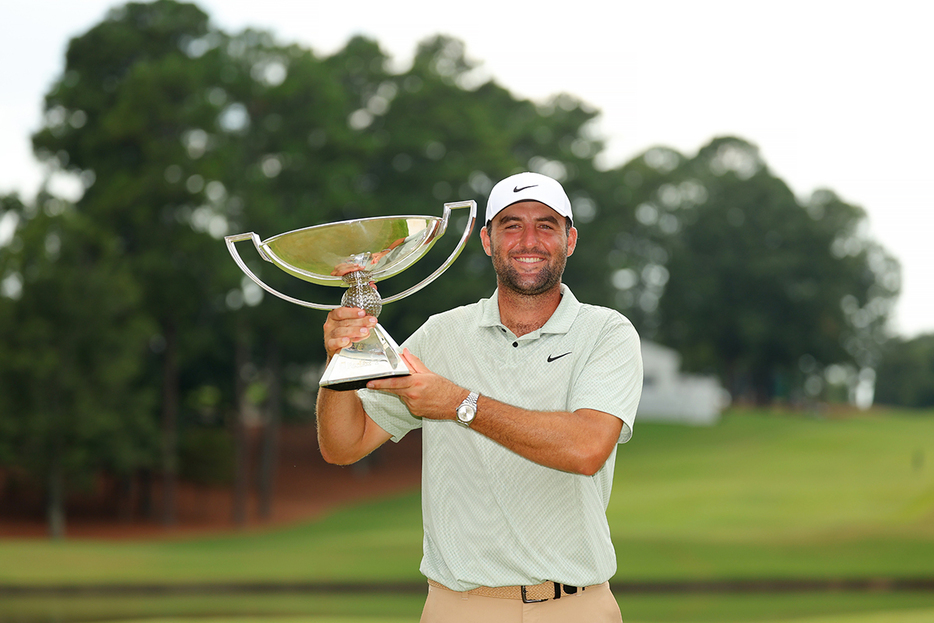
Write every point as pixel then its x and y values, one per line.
pixel 426 394
pixel 344 326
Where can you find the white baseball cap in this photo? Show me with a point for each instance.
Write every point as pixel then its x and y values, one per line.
pixel 528 187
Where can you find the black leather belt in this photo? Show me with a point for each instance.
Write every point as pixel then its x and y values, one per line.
pixel 528 594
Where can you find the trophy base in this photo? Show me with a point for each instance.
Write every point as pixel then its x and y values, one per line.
pixel 346 386
pixel 375 357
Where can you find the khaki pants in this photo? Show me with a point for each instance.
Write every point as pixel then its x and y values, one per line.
pixel 594 605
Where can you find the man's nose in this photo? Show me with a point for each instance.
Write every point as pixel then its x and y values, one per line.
pixel 530 236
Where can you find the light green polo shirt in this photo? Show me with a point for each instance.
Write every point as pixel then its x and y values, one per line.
pixel 492 517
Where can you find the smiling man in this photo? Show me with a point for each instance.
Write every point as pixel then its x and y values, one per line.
pixel 523 399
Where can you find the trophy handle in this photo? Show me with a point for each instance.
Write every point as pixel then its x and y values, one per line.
pixel 468 229
pixel 231 242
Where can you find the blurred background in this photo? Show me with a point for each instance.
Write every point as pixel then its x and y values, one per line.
pixel 747 183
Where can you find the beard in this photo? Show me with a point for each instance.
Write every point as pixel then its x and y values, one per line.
pixel 546 278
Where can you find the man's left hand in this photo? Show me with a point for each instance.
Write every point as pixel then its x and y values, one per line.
pixel 426 394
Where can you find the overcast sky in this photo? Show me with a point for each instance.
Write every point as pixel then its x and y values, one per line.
pixel 836 94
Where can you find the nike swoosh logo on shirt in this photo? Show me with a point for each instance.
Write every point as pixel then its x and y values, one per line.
pixel 550 358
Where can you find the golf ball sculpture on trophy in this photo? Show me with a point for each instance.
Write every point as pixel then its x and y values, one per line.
pixel 356 254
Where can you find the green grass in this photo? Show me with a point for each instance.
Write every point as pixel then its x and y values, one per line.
pixel 379 541
pixel 768 495
pixel 761 495
pixel 758 496
pixel 779 477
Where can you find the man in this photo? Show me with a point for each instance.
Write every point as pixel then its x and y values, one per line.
pixel 522 399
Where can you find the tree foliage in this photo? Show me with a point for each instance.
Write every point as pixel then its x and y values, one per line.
pixel 73 333
pixel 905 375
pixel 752 283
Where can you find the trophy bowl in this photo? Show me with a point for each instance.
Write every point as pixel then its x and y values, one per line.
pixel 355 254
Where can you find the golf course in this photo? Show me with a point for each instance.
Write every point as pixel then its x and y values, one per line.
pixel 785 517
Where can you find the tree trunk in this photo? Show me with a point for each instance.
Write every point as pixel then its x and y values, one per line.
pixel 240 486
pixel 170 425
pixel 146 507
pixel 55 502
pixel 270 449
pixel 126 493
pixel 762 381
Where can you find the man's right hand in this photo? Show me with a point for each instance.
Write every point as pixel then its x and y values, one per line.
pixel 344 326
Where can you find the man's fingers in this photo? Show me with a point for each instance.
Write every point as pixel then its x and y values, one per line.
pixel 346 313
pixel 343 336
pixel 348 317
pixel 414 363
pixel 389 384
pixel 346 325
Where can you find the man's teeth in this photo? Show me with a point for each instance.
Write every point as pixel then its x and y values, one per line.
pixel 528 260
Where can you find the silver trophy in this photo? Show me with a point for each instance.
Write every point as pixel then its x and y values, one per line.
pixel 355 255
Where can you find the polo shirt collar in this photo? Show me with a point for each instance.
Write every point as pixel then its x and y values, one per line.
pixel 560 321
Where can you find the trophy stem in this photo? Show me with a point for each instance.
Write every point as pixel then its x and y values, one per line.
pixel 361 293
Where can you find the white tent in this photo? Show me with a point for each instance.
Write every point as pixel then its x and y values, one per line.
pixel 669 396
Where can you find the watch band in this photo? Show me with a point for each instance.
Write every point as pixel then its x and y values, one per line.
pixel 467 410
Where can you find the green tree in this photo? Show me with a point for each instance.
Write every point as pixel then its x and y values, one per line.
pixel 905 374
pixel 289 160
pixel 757 286
pixel 73 334
pixel 127 117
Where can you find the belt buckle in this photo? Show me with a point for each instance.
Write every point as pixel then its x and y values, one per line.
pixel 526 600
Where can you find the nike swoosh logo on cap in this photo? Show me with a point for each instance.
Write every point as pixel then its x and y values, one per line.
pixel 519 190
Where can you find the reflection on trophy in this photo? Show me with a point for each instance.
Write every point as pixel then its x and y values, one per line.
pixel 357 254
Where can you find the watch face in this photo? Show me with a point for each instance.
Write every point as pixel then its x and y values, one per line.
pixel 465 413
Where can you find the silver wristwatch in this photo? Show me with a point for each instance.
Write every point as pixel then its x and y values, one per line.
pixel 467 410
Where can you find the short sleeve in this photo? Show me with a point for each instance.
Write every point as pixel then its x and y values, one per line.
pixel 611 377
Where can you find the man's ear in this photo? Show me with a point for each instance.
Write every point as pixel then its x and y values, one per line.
pixel 572 241
pixel 485 240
